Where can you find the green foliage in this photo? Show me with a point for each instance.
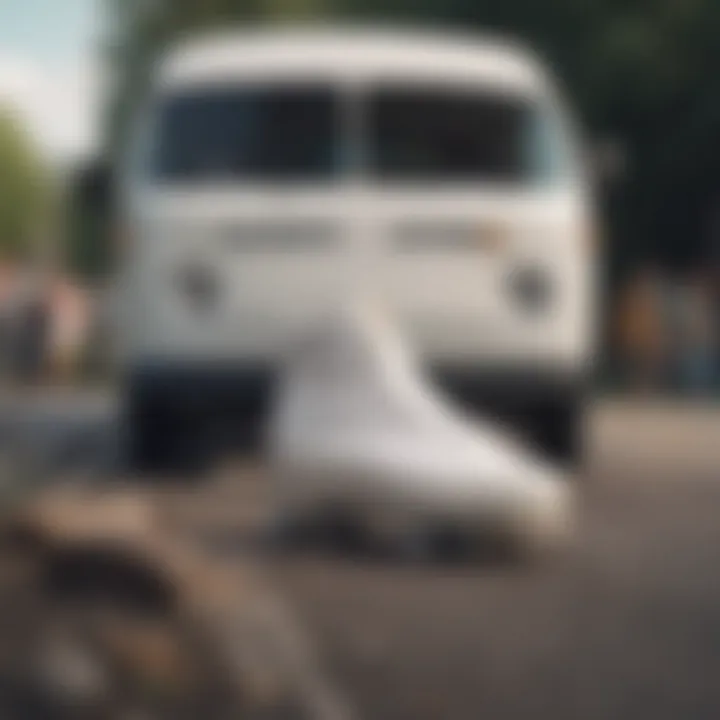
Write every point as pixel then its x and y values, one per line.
pixel 23 190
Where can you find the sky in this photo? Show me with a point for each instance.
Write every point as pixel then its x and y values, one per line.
pixel 50 72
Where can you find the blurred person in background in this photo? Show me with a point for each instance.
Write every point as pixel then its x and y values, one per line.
pixel 28 329
pixel 695 334
pixel 641 336
pixel 68 327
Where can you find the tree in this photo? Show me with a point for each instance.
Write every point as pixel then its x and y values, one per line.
pixel 24 194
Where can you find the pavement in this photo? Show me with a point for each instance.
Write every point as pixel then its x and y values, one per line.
pixel 625 624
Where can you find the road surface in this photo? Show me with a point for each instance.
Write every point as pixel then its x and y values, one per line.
pixel 625 625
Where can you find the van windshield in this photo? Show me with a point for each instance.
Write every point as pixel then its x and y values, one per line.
pixel 274 133
pixel 411 135
pixel 419 135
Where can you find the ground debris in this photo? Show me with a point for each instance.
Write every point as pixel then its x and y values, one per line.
pixel 107 610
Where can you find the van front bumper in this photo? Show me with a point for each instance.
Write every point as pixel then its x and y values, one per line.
pixel 541 405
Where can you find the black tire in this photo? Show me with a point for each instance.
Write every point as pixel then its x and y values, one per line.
pixel 545 410
pixel 560 432
pixel 160 437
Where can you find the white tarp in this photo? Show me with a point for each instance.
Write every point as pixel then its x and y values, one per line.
pixel 357 428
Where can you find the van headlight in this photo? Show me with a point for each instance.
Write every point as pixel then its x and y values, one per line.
pixel 531 287
pixel 199 285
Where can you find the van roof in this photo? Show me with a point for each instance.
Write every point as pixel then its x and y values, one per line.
pixel 351 54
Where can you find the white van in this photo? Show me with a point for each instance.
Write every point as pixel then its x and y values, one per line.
pixel 275 173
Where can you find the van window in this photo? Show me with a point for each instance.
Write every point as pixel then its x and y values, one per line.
pixel 457 135
pixel 223 133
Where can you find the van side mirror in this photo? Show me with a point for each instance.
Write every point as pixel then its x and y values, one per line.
pixel 93 187
pixel 91 211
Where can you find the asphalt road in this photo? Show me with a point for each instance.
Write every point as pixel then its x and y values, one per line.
pixel 625 625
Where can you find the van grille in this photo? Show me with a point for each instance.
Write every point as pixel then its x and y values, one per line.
pixel 435 236
pixel 444 236
pixel 285 236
